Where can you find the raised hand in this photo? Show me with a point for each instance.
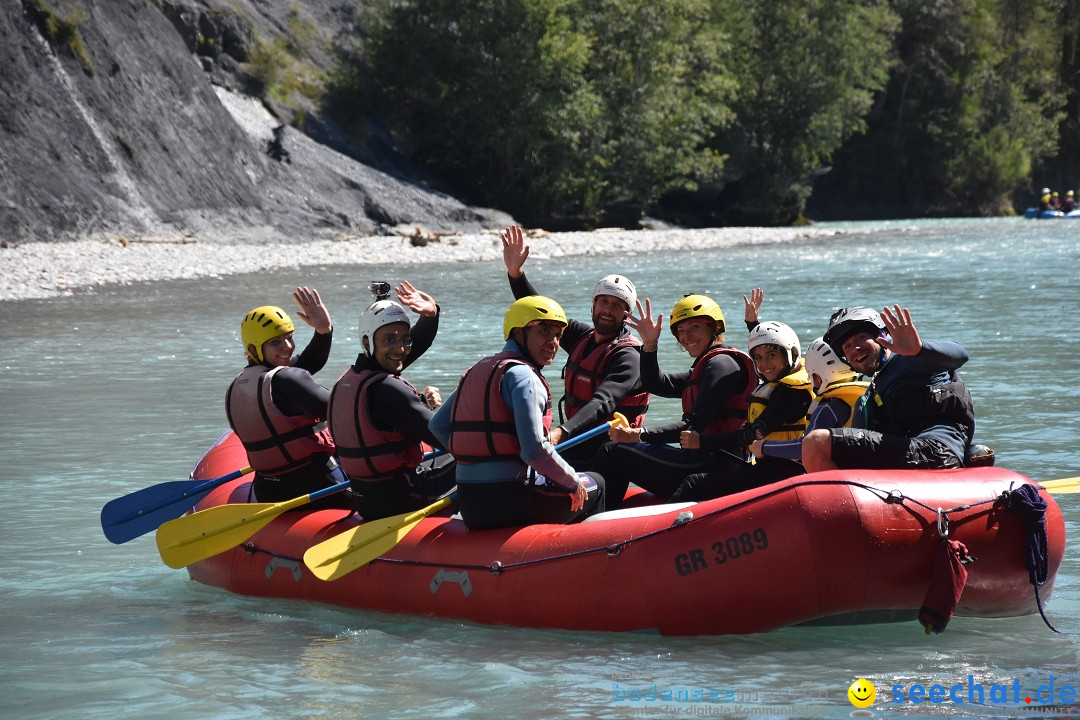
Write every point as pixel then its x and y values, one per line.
pixel 419 302
pixel 515 251
pixel 905 338
pixel 753 305
pixel 312 311
pixel 648 329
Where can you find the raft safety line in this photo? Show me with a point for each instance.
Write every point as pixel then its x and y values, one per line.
pixel 497 567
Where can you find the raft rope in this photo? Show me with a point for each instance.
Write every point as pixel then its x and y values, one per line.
pixel 1026 502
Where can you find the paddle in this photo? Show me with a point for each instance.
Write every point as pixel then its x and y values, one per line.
pixel 142 511
pixel 209 532
pixel 1064 486
pixel 340 555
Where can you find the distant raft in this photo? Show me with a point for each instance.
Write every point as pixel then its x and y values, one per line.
pixel 1036 214
pixel 845 547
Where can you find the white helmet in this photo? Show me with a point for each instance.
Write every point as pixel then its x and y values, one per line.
pixel 617 286
pixel 379 313
pixel 779 335
pixel 823 362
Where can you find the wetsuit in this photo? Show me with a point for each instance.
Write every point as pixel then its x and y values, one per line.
pixel 497 424
pixel 295 392
pixel 785 407
pixel 917 414
pixel 619 385
pixel 716 382
pixel 393 411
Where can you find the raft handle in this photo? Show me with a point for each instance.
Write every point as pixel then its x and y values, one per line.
pixel 682 518
pixel 943 524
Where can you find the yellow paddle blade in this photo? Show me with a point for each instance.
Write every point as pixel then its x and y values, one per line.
pixel 1064 486
pixel 209 532
pixel 340 555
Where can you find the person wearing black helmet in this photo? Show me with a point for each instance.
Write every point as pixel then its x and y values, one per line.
pixel 917 413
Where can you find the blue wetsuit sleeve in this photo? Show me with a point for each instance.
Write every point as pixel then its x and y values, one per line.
pixel 830 413
pixel 439 424
pixel 943 353
pixel 524 393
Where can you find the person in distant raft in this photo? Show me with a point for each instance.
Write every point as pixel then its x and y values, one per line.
pixel 278 410
pixel 917 413
pixel 603 372
pixel 379 420
pixel 497 424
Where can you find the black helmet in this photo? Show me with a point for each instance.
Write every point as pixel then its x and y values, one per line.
pixel 845 322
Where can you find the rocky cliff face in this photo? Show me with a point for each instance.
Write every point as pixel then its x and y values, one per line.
pixel 126 117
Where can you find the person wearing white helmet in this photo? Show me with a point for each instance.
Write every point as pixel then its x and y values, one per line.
pixel 278 410
pixel 603 371
pixel 379 420
pixel 917 412
pixel 497 424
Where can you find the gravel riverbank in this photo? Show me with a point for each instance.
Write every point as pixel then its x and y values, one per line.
pixel 44 270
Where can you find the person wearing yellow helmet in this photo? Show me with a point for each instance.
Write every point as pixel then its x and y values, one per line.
pixel 602 375
pixel 276 407
pixel 713 391
pixel 379 420
pixel 497 424
pixel 1069 203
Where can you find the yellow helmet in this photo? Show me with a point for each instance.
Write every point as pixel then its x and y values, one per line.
pixel 533 307
pixel 262 324
pixel 692 306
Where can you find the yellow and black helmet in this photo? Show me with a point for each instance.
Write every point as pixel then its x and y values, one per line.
pixel 533 307
pixel 692 306
pixel 262 324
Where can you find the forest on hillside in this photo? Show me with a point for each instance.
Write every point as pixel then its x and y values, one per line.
pixel 720 112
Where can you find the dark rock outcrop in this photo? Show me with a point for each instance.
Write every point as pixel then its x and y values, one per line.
pixel 134 126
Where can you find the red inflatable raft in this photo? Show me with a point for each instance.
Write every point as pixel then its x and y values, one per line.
pixel 848 546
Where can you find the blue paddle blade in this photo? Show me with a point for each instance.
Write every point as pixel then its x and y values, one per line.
pixel 142 511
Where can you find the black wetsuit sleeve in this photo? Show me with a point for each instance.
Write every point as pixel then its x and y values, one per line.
pixel 314 357
pixel 297 393
pixel 722 377
pixel 669 385
pixel 423 334
pixel 521 287
pixel 400 409
pixel 621 378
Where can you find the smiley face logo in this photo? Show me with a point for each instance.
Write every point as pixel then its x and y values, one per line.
pixel 862 693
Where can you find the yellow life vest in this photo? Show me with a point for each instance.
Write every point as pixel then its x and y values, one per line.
pixel 759 398
pixel 849 392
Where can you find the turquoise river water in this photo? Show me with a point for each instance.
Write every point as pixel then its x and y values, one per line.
pixel 122 387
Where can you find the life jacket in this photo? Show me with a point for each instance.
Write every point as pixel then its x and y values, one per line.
pixel 849 392
pixel 276 443
pixel 733 414
pixel 482 426
pixel 910 410
pixel 794 428
pixel 364 451
pixel 583 373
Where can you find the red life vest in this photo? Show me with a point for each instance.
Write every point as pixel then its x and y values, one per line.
pixel 364 451
pixel 276 443
pixel 583 373
pixel 732 415
pixel 481 423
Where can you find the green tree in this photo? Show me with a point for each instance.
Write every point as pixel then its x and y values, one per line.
pixel 808 71
pixel 971 105
pixel 553 108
